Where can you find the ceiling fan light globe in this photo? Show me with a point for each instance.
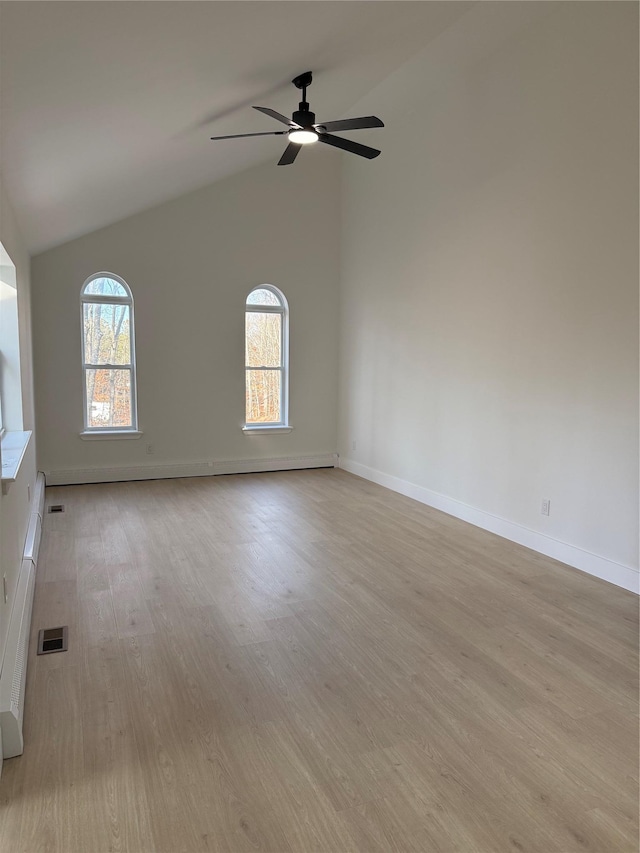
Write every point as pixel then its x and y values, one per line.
pixel 303 137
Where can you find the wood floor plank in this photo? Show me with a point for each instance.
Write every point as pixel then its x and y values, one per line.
pixel 111 762
pixel 49 785
pixel 58 562
pixel 130 608
pixel 304 661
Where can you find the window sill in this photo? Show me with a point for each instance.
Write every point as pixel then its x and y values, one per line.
pixel 264 429
pixel 14 447
pixel 108 435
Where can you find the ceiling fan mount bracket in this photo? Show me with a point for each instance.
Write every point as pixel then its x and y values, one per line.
pixel 303 80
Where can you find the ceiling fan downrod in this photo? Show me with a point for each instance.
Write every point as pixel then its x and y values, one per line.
pixel 303 115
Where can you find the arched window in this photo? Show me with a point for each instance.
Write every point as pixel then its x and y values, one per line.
pixel 108 354
pixel 266 357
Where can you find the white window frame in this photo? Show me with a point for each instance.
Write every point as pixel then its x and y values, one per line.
pixel 10 358
pixel 96 298
pixel 14 439
pixel 282 309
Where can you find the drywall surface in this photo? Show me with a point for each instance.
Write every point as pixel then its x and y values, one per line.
pixel 15 505
pixel 190 264
pixel 489 299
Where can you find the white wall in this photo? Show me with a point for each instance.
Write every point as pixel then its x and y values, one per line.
pixel 190 264
pixel 15 506
pixel 489 344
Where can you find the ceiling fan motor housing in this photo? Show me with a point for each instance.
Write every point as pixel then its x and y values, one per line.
pixel 305 118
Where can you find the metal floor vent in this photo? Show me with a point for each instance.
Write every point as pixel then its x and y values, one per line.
pixel 53 640
pixel 56 508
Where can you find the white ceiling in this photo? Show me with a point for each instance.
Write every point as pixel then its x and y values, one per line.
pixel 106 108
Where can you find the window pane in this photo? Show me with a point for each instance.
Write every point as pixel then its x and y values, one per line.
pixel 263 396
pixel 107 338
pixel 105 287
pixel 261 296
pixel 108 398
pixel 262 339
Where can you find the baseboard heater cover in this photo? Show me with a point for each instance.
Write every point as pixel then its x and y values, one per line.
pixel 34 534
pixel 190 469
pixel 14 671
pixel 14 668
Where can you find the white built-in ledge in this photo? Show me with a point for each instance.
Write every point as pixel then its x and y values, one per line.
pixel 265 429
pixel 14 447
pixel 109 435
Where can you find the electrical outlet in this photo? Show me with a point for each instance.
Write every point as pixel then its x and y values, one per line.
pixel 353 445
pixel 150 449
pixel 545 508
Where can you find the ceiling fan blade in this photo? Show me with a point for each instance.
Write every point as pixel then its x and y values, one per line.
pixel 348 145
pixel 276 116
pixel 241 135
pixel 351 123
pixel 290 154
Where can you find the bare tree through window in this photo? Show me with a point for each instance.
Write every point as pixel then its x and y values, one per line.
pixel 265 357
pixel 107 314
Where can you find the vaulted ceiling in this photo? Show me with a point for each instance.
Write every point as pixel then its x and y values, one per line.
pixel 106 108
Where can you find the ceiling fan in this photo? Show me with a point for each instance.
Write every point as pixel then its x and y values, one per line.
pixel 304 130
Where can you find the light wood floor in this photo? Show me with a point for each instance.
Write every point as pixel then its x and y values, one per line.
pixel 304 661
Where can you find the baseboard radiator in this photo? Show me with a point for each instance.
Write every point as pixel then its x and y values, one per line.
pixel 190 469
pixel 14 670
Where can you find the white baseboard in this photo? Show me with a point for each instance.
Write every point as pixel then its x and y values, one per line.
pixel 189 469
pixel 592 564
